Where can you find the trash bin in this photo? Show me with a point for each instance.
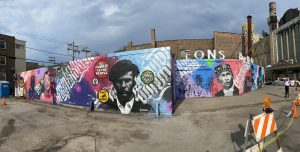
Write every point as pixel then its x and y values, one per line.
pixel 4 89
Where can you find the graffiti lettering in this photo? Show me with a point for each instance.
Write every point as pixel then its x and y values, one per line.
pixel 70 73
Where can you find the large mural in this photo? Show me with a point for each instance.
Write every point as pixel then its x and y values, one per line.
pixel 132 81
pixel 138 81
pixel 215 77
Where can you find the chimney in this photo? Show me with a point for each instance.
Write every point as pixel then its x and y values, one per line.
pixel 272 9
pixel 129 45
pixel 249 21
pixel 153 38
pixel 272 20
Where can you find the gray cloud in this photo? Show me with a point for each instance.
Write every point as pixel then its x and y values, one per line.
pixel 106 25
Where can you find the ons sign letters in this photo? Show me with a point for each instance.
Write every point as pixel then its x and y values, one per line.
pixel 211 54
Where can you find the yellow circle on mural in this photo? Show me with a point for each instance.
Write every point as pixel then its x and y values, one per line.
pixel 103 95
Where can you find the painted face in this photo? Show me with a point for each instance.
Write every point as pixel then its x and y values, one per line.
pixel 124 85
pixel 21 83
pixel 226 79
pixel 47 82
pixel 199 79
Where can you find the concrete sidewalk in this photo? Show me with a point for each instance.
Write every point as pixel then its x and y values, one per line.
pixel 276 94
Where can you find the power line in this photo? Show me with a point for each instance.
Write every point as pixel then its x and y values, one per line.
pixel 35 36
pixel 47 51
pixel 11 57
pixel 32 35
pixel 6 28
pixel 40 50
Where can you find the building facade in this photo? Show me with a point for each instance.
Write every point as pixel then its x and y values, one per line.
pixel 261 52
pixel 12 58
pixel 31 66
pixel 7 62
pixel 285 44
pixel 20 54
pixel 287 37
pixel 230 43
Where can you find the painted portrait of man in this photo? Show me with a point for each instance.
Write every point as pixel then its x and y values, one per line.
pixel 225 78
pixel 123 75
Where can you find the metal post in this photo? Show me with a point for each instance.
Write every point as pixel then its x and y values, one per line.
pixel 157 109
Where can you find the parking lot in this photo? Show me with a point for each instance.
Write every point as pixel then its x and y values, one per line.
pixel 202 124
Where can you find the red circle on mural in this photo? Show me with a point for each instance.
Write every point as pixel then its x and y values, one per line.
pixel 101 69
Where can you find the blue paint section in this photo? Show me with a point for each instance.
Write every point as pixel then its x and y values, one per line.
pixel 193 78
pixel 208 78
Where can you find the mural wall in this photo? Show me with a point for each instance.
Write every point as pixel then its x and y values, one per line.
pixel 212 77
pixel 36 84
pixel 138 81
pixel 132 81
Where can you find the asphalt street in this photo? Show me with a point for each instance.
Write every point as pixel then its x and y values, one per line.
pixel 198 125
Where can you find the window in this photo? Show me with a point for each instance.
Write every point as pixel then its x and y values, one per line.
pixel 2 44
pixel 19 46
pixel 2 76
pixel 2 60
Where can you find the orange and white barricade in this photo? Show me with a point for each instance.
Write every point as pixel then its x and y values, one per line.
pixel 262 126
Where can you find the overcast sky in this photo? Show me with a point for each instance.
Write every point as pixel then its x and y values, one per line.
pixel 106 25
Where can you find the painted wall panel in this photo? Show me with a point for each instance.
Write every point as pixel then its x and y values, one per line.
pixel 138 81
pixel 133 81
pixel 36 84
pixel 214 77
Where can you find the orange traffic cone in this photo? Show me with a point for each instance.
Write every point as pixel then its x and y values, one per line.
pixel 295 113
pixel 267 103
pixel 298 102
pixel 3 102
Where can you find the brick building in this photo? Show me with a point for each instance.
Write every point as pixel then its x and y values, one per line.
pixel 12 57
pixel 7 54
pixel 230 43
pixel 261 52
pixel 31 66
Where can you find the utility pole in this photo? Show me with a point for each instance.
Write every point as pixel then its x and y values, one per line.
pixel 52 59
pixel 86 51
pixel 74 48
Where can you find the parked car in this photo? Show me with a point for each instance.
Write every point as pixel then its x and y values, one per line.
pixel 278 82
pixel 268 82
pixel 294 82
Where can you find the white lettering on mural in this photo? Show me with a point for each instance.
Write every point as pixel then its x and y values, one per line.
pixel 154 91
pixel 189 65
pixel 70 73
pixel 199 54
pixel 101 69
